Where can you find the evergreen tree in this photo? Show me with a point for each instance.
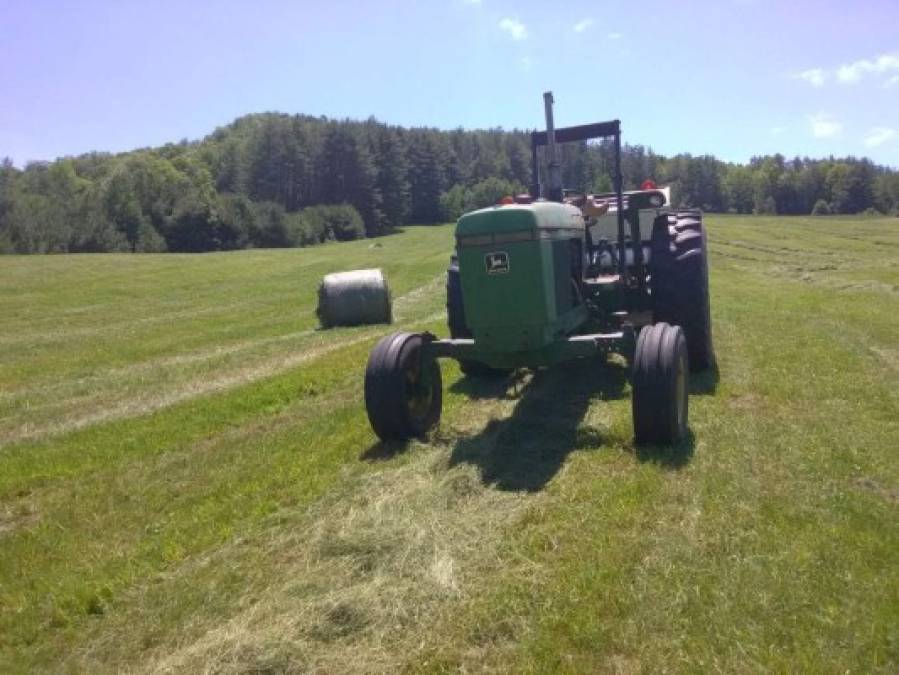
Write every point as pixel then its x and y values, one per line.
pixel 348 174
pixel 519 153
pixel 839 191
pixel 232 172
pixel 426 178
pixel 393 171
pixel 8 179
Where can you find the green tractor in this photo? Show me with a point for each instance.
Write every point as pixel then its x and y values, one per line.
pixel 553 276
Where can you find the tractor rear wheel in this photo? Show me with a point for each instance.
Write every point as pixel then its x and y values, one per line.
pixel 403 391
pixel 680 281
pixel 455 320
pixel 660 397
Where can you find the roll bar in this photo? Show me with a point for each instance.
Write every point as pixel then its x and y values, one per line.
pixel 583 132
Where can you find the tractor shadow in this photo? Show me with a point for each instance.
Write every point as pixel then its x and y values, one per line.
pixel 475 388
pixel 668 456
pixel 525 450
pixel 705 383
pixel 491 387
pixel 383 450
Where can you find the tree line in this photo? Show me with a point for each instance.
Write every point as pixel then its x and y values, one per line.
pixel 274 180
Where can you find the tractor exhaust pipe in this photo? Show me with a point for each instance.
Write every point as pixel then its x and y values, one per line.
pixel 554 180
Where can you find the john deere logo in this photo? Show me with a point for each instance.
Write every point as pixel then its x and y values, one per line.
pixel 497 262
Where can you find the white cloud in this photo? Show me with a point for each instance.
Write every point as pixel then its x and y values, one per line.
pixel 852 72
pixel 777 131
pixel 614 36
pixel 583 25
pixel 472 2
pixel 814 76
pixel 879 136
pixel 824 125
pixel 514 27
pixel 526 63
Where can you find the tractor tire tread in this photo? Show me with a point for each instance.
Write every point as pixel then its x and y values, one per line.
pixel 385 391
pixel 655 381
pixel 680 287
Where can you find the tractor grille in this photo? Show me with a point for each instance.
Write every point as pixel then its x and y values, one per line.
pixel 562 274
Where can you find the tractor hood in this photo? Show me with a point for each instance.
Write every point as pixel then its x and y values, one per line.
pixel 541 215
pixel 517 263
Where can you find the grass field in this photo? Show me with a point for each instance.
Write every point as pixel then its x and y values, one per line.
pixel 188 481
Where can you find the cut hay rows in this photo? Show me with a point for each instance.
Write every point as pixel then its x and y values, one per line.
pixel 204 494
pixel 123 392
pixel 360 575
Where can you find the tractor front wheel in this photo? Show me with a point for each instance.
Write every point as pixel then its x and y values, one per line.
pixel 403 390
pixel 660 398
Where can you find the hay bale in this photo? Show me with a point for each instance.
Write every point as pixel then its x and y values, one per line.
pixel 354 298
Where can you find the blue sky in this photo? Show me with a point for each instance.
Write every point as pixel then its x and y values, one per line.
pixel 733 77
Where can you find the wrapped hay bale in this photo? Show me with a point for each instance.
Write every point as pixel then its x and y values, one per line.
pixel 354 298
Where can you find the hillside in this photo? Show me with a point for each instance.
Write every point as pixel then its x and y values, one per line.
pixel 188 481
pixel 274 180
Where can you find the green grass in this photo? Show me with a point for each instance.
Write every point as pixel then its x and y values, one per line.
pixel 188 481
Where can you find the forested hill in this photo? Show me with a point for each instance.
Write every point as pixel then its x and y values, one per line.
pixel 270 180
